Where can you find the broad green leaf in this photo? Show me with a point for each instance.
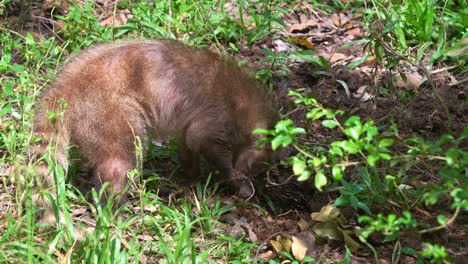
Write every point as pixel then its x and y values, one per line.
pixel 334 150
pixel 261 131
pixel 353 120
pixel 350 147
pixel 315 114
pixel 8 89
pixel 386 142
pixel 337 172
pixel 385 156
pixel 320 180
pixel 30 39
pixel 329 123
pixel 298 165
pixel 16 68
pixel 347 257
pixel 451 156
pixel 353 132
pixel 409 251
pixel 297 131
pixel 391 237
pixel 354 201
pixel 372 159
pixel 280 140
pixel 358 62
pixel 304 176
pixel 441 219
pixel 390 26
pixel 283 125
pixel 371 131
pixel 6 109
pixel 316 162
pixel 364 207
pixel 401 35
pixel 354 42
pixel 341 201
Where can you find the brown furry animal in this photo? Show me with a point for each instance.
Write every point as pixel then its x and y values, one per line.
pixel 111 93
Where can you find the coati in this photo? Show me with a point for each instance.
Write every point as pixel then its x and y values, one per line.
pixel 161 89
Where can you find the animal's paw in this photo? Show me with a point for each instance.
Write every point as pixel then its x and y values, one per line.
pixel 246 189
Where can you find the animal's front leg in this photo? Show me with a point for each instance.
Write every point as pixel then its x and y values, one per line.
pixel 190 160
pixel 220 155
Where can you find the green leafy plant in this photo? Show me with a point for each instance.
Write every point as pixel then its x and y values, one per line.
pixel 384 174
pixel 198 25
pixel 106 242
pixel 276 67
pixel 360 140
pixel 81 27
pixel 424 24
pixel 435 253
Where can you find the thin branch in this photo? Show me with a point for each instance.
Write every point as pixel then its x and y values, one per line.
pixel 436 228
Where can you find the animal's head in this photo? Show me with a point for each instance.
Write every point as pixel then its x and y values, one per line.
pixel 254 159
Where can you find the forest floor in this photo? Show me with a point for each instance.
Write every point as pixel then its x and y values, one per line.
pixel 422 114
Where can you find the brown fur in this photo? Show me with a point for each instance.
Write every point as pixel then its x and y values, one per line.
pixel 157 89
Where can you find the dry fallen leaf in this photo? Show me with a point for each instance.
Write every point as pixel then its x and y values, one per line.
pixel 118 20
pixel 361 93
pixel 355 32
pixel 329 230
pixel 337 57
pixel 302 27
pixel 358 16
pixel 276 245
pixel 413 81
pixel 328 213
pixel 236 231
pixel 281 244
pixel 267 255
pixel 370 62
pixel 240 227
pixel 150 208
pixel 333 226
pixel 144 237
pixel 303 225
pixel 252 236
pixel 344 19
pixel 302 42
pixel 282 46
pixel 299 248
pixel 286 243
pixel 79 211
pixel 350 243
pixel 348 25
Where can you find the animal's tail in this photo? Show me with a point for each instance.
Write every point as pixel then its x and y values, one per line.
pixel 48 156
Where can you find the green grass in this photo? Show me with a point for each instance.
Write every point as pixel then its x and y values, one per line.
pixel 429 28
pixel 188 229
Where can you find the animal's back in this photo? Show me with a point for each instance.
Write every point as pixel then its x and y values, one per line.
pixel 111 93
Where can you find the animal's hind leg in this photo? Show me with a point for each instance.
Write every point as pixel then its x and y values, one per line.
pixel 114 169
pixel 109 151
pixel 54 141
